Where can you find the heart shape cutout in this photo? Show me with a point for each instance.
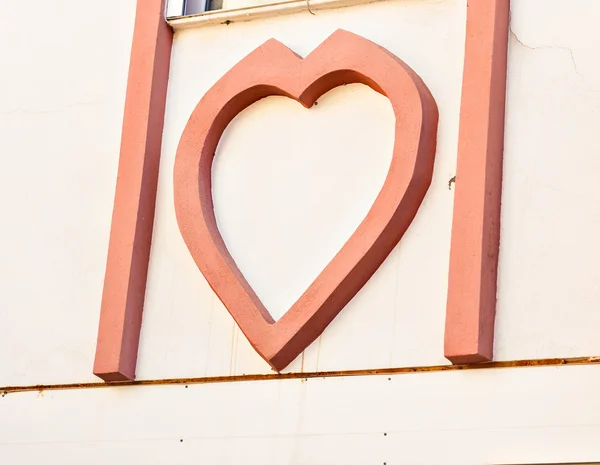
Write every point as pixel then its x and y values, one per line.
pixel 273 69
pixel 315 174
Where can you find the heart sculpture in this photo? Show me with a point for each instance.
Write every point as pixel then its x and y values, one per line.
pixel 273 69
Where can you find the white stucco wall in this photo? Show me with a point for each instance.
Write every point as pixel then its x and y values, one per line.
pixel 290 185
pixel 64 72
pixel 549 282
pixel 60 132
pixel 60 122
pixel 284 207
pixel 513 416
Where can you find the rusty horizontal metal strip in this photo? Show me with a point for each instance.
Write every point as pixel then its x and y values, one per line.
pixel 315 374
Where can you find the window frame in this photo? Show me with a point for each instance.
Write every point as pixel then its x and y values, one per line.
pixel 178 8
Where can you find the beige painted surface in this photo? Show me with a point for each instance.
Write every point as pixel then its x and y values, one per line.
pixel 232 4
pixel 549 283
pixel 62 91
pixel 290 185
pixel 483 417
pixel 60 119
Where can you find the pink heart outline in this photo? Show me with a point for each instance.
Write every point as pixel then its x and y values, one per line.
pixel 273 69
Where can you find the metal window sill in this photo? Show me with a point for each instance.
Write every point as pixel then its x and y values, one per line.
pixel 250 13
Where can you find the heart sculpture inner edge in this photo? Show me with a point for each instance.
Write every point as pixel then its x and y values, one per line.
pixel 273 69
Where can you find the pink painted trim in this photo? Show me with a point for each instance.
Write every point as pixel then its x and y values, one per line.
pixel 474 251
pixel 273 69
pixel 133 212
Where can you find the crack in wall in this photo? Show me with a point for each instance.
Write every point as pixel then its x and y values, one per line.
pixel 546 47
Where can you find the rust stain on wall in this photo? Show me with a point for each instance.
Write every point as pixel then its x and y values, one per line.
pixel 592 360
